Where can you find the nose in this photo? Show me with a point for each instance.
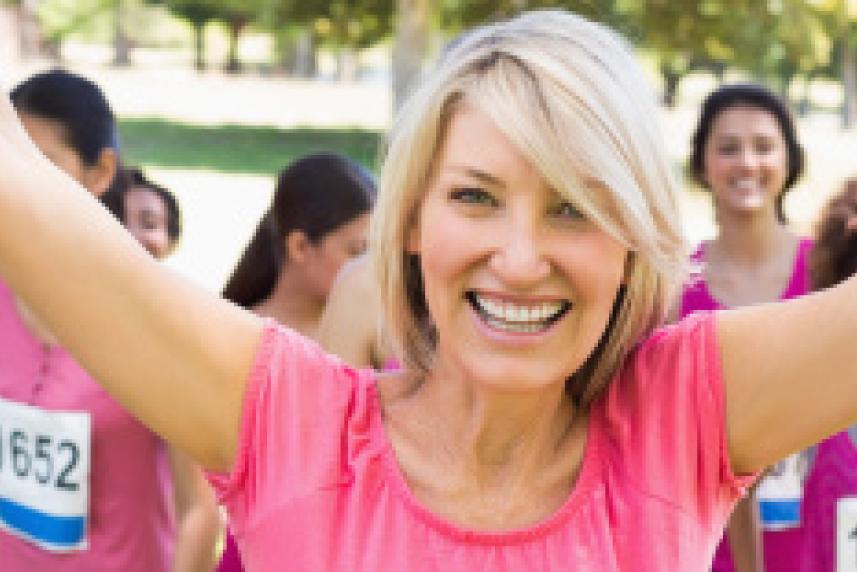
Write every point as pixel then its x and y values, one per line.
pixel 748 157
pixel 155 243
pixel 520 260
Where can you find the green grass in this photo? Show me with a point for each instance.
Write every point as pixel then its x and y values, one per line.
pixel 236 148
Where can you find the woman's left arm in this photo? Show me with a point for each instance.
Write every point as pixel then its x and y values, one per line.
pixel 198 521
pixel 790 374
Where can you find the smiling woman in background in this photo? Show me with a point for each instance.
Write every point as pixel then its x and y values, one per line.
pixel 746 154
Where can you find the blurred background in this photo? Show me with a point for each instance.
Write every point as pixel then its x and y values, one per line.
pixel 215 96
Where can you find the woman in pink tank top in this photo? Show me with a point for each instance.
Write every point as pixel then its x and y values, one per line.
pixel 317 222
pixel 831 487
pixel 746 154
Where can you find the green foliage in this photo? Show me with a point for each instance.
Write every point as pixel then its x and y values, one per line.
pixel 354 24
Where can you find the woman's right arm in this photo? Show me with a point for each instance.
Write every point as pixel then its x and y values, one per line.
pixel 173 354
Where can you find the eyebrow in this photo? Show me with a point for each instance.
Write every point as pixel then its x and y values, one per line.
pixel 475 173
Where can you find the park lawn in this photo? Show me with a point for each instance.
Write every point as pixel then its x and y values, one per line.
pixel 237 148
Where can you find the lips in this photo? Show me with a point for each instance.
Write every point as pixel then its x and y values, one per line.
pixel 517 317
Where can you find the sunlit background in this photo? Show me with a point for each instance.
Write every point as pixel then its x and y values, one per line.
pixel 215 96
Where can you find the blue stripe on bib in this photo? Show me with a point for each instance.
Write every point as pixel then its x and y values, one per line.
pixel 59 532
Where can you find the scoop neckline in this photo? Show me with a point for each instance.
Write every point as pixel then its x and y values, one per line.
pixel 586 482
pixel 794 277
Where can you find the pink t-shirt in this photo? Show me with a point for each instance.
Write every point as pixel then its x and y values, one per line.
pixel 316 486
pixel 131 524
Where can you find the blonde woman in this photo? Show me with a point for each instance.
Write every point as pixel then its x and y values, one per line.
pixel 527 247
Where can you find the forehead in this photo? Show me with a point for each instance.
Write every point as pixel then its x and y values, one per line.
pixel 473 145
pixel 743 118
pixel 144 198
pixel 45 132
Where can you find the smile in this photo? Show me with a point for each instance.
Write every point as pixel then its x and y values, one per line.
pixel 516 317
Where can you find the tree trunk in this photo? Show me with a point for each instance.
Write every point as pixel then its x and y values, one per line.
pixel 306 55
pixel 30 38
pixel 236 26
pixel 409 47
pixel 121 44
pixel 671 81
pixel 347 64
pixel 199 45
pixel 849 84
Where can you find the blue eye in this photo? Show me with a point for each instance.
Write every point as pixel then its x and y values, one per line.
pixel 566 210
pixel 473 196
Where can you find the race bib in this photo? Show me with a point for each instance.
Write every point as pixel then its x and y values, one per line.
pixel 779 494
pixel 846 534
pixel 44 475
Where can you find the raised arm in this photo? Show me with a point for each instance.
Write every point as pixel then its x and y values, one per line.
pixel 171 353
pixel 790 371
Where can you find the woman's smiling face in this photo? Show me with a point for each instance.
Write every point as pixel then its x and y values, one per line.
pixel 520 286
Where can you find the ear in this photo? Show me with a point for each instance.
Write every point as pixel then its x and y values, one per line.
pixel 296 246
pixel 99 177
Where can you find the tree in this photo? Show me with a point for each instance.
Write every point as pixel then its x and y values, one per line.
pixel 237 14
pixel 410 46
pixel 345 26
pixel 198 13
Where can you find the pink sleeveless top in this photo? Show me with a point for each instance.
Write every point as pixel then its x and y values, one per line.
pixel 131 523
pixel 782 546
pixel 832 477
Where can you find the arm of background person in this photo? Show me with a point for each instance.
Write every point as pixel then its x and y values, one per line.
pixel 745 536
pixel 349 325
pixel 174 355
pixel 198 521
pixel 790 374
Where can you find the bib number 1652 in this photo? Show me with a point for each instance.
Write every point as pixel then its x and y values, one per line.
pixel 48 460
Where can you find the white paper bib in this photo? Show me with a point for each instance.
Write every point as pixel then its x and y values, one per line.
pixel 44 475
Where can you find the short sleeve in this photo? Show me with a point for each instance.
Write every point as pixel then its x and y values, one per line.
pixel 296 404
pixel 664 417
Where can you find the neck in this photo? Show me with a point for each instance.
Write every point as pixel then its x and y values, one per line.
pixel 498 438
pixel 751 238
pixel 291 304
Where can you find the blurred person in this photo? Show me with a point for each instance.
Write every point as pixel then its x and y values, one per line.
pixel 745 152
pixel 830 490
pixel 93 488
pixel 148 210
pixel 528 246
pixel 317 222
pixel 351 325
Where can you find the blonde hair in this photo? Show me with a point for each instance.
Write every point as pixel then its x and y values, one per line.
pixel 569 95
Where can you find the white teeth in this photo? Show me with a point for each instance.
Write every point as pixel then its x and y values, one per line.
pixel 518 318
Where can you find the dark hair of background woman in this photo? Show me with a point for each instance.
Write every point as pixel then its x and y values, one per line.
pixel 749 95
pixel 130 177
pixel 76 103
pixel 833 257
pixel 316 195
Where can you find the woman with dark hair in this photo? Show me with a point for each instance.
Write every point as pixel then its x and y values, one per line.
pixel 317 221
pixel 149 211
pixel 746 154
pixel 828 507
pixel 92 488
